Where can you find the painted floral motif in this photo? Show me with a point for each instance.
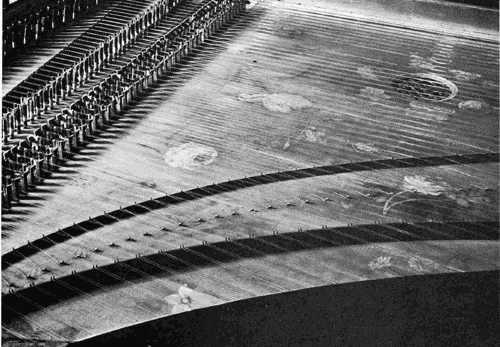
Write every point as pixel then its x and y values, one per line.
pixel 380 263
pixel 473 105
pixel 277 102
pixel 422 185
pixel 190 156
pixel 367 72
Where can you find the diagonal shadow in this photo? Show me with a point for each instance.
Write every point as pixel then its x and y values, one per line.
pixel 167 85
pixel 183 260
pixel 16 255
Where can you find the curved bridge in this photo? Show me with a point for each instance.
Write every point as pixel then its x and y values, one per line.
pixel 186 259
pixel 253 257
pixel 144 207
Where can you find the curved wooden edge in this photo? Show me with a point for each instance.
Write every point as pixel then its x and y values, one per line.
pixel 423 310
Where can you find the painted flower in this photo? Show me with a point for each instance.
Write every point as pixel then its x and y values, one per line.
pixel 420 184
pixel 380 263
